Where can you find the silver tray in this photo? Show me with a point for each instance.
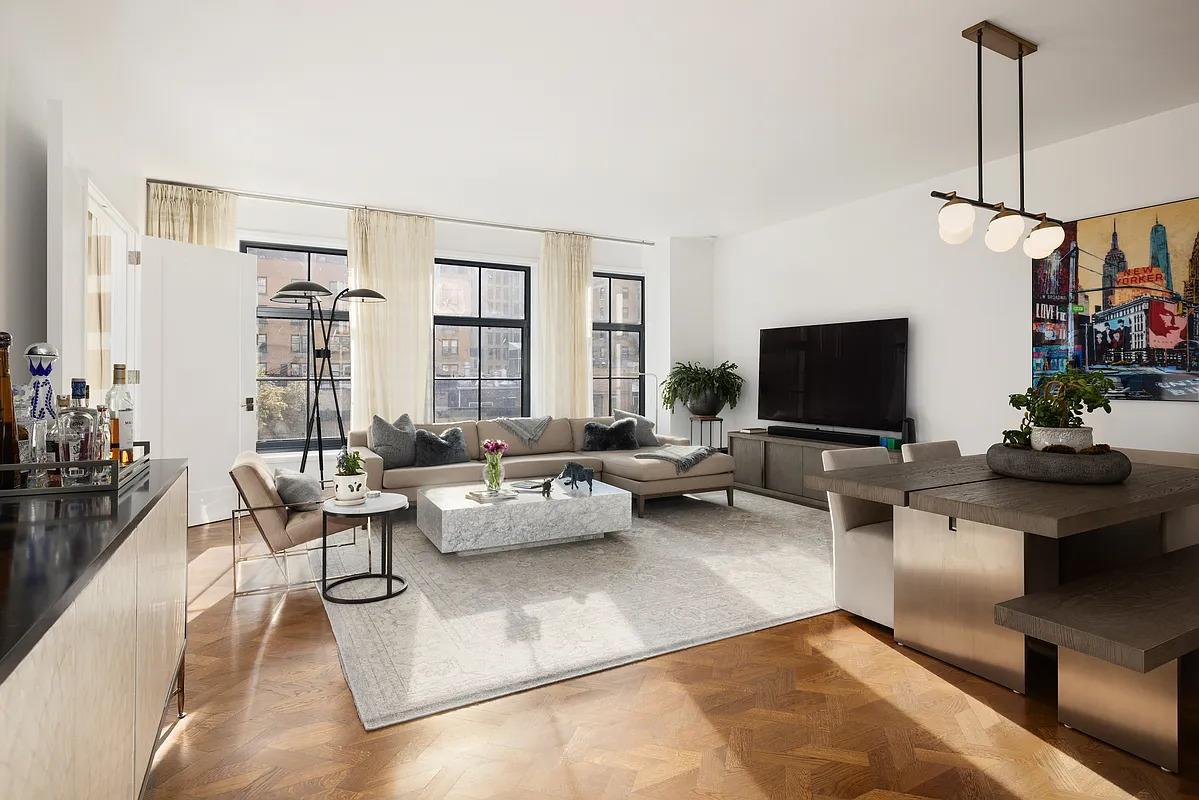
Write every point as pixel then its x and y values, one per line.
pixel 119 477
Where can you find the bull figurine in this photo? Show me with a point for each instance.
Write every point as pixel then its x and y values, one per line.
pixel 572 474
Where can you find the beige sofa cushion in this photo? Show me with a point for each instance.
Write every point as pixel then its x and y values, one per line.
pixel 470 434
pixel 578 423
pixel 543 465
pixel 556 438
pixel 623 463
pixel 406 477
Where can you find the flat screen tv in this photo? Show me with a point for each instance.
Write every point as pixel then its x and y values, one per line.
pixel 843 375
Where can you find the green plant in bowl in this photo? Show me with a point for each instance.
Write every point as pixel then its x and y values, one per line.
pixel 704 390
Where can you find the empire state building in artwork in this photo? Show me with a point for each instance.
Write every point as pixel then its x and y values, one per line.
pixel 1113 264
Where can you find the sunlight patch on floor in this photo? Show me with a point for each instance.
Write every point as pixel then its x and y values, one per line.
pixel 976 736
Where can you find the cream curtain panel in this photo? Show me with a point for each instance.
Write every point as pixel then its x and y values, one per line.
pixel 97 317
pixel 562 341
pixel 393 341
pixel 195 216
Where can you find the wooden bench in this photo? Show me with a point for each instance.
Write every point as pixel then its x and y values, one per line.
pixel 1127 642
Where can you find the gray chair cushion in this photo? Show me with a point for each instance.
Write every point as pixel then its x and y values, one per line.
pixel 645 427
pixel 433 450
pixel 620 435
pixel 394 443
pixel 298 489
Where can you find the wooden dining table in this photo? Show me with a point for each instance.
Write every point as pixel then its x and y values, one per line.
pixel 966 538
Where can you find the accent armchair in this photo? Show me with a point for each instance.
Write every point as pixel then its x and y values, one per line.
pixel 283 528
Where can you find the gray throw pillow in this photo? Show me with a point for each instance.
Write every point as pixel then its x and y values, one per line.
pixel 299 490
pixel 394 443
pixel 645 427
pixel 620 435
pixel 433 450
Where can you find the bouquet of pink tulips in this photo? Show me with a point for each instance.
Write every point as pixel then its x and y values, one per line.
pixel 493 471
pixel 494 447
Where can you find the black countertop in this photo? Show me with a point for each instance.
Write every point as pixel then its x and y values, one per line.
pixel 51 547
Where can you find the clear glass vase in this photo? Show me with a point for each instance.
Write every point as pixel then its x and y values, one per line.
pixel 493 473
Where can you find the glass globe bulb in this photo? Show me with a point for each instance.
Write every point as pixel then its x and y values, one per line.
pixel 956 236
pixel 956 215
pixel 1044 239
pixel 1004 230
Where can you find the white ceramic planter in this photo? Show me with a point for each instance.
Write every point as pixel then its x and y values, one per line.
pixel 1078 438
pixel 349 488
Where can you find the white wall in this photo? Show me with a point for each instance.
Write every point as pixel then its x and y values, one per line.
pixel 969 308
pixel 23 122
pixel 691 273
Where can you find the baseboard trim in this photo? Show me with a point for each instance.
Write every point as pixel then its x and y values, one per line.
pixel 790 498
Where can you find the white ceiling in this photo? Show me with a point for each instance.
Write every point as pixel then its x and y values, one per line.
pixel 674 117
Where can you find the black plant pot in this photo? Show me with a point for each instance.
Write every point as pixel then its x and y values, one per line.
pixel 707 404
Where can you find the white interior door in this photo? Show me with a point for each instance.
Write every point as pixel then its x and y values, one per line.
pixel 198 352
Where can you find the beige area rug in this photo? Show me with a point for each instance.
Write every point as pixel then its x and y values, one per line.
pixel 470 629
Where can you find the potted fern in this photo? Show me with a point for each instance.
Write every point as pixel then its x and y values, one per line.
pixel 349 480
pixel 704 390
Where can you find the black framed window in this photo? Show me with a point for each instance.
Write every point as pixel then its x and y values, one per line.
pixel 617 343
pixel 285 392
pixel 480 340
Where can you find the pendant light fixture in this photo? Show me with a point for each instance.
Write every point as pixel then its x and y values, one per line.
pixel 956 218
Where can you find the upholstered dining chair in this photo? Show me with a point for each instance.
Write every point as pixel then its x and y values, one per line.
pixel 863 562
pixel 282 527
pixel 930 451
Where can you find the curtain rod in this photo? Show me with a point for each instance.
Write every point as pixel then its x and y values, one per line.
pixel 279 198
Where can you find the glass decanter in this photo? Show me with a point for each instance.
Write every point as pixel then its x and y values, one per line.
pixel 78 430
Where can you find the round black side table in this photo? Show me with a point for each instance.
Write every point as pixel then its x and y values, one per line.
pixel 382 506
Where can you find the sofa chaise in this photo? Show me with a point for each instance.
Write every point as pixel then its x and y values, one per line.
pixel 562 441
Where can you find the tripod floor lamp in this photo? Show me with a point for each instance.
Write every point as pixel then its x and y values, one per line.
pixel 310 293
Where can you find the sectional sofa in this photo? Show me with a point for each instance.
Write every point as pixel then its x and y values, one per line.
pixel 562 441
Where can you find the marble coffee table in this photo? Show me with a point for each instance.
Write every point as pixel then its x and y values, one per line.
pixel 457 524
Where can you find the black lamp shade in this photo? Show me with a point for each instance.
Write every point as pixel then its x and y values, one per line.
pixel 306 288
pixel 363 296
pixel 292 298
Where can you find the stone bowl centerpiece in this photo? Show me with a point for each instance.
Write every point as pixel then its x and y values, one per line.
pixel 1098 464
pixel 1051 443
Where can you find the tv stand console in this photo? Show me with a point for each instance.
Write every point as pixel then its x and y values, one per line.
pixel 776 465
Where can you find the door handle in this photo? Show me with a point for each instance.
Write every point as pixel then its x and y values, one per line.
pixel 249 403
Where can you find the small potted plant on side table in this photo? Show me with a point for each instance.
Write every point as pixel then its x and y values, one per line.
pixel 493 468
pixel 349 480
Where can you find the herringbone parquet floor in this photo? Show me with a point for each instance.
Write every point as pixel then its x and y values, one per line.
pixel 823 708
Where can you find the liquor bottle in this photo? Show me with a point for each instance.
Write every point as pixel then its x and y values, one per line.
pixel 9 449
pixel 120 409
pixel 78 427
